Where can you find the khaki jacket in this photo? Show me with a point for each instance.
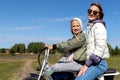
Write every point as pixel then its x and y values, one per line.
pixel 74 45
pixel 76 42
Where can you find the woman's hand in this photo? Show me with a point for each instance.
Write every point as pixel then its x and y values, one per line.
pixel 83 70
pixel 48 46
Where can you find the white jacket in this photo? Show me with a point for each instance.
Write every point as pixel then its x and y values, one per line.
pixel 96 39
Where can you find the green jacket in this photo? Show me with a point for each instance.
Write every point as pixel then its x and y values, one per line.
pixel 72 44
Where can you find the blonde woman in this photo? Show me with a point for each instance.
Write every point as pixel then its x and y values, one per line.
pixel 72 45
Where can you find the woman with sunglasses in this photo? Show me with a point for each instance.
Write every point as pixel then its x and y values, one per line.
pixel 97 50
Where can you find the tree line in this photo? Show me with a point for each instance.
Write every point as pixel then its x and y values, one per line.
pixel 35 47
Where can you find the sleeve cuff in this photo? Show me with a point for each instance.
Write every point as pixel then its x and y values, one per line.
pixel 88 62
pixel 54 46
pixel 95 59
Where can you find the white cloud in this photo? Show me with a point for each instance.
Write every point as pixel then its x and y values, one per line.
pixel 23 28
pixel 62 19
pixel 26 28
pixel 53 19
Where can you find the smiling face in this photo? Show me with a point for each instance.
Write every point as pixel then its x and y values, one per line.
pixel 93 13
pixel 75 27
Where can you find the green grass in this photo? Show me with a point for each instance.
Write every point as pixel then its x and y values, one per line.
pixel 7 68
pixel 10 65
pixel 114 62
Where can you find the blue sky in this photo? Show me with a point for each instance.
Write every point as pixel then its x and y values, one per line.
pixel 25 21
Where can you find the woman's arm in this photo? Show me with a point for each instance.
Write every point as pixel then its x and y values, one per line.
pixel 72 43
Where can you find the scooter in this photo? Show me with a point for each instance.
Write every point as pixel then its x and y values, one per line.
pixel 43 75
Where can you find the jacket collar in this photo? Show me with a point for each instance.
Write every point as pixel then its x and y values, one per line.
pixel 91 23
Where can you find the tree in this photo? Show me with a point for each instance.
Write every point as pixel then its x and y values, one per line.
pixel 22 48
pixel 111 50
pixel 2 50
pixel 14 48
pixel 18 48
pixel 119 52
pixel 34 47
pixel 116 51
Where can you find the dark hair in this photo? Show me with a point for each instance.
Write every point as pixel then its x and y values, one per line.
pixel 100 8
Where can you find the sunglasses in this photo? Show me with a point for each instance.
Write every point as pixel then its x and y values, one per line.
pixel 92 11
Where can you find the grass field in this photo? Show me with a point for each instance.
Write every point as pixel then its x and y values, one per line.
pixel 114 62
pixel 7 68
pixel 9 65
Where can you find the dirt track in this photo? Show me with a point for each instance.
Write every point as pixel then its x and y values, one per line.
pixel 24 71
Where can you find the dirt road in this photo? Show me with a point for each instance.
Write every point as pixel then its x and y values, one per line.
pixel 25 70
